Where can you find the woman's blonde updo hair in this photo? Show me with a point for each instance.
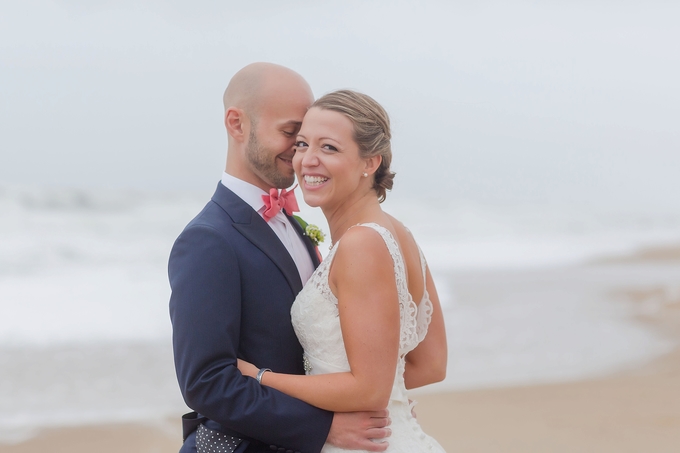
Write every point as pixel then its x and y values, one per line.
pixel 371 131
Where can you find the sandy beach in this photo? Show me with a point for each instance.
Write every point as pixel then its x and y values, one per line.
pixel 635 410
pixel 634 413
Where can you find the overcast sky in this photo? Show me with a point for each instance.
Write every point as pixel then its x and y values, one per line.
pixel 571 102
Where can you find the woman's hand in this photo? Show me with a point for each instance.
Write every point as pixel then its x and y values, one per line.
pixel 247 368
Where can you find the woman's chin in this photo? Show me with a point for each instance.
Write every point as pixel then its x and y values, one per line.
pixel 311 201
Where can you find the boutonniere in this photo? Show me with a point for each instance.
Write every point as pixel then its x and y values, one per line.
pixel 312 231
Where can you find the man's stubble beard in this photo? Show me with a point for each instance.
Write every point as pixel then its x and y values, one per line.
pixel 264 164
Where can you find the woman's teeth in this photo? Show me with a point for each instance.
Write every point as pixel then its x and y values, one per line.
pixel 315 180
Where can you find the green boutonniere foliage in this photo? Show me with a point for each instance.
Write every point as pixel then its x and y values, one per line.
pixel 312 231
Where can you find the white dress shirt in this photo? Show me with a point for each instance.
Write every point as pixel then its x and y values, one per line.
pixel 279 223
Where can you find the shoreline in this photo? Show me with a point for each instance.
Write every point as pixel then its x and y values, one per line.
pixel 633 411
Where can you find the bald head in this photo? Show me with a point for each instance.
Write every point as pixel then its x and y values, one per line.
pixel 252 86
pixel 264 105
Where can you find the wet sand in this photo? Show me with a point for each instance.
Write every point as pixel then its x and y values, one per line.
pixel 633 411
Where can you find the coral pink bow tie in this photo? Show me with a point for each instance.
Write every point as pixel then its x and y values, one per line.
pixel 275 201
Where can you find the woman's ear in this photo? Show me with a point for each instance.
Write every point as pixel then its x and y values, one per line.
pixel 372 164
pixel 236 122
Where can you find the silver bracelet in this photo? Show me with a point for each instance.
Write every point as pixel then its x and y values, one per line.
pixel 260 373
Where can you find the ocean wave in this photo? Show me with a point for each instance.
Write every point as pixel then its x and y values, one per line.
pixel 47 229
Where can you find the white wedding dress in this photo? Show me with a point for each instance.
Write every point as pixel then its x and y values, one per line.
pixel 317 325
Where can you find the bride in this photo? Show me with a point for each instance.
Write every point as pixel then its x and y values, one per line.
pixel 369 318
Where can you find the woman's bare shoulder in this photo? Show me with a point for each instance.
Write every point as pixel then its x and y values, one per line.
pixel 360 238
pixel 361 260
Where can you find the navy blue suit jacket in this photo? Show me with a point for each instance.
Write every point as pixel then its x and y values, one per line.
pixel 233 283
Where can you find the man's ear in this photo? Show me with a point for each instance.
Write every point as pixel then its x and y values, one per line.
pixel 372 164
pixel 237 124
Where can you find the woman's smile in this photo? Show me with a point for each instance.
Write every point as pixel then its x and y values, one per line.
pixel 313 182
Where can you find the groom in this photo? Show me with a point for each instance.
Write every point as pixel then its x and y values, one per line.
pixel 234 276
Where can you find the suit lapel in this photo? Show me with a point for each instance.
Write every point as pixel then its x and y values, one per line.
pixel 311 248
pixel 249 223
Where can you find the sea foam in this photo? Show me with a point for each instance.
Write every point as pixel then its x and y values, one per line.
pixel 84 325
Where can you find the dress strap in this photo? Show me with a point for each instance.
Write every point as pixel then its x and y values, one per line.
pixel 425 307
pixel 423 265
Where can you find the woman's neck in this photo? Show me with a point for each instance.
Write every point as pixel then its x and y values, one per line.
pixel 351 212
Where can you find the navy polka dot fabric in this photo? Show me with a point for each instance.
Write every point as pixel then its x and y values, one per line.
pixel 211 441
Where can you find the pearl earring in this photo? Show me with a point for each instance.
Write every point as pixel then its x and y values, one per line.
pixel 365 175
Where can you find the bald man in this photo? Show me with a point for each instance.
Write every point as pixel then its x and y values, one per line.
pixel 234 276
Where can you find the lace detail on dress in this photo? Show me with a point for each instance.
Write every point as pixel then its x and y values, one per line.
pixel 315 318
pixel 425 307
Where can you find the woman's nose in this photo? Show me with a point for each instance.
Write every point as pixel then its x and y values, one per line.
pixel 310 158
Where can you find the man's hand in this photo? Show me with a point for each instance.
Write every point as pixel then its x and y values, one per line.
pixel 354 430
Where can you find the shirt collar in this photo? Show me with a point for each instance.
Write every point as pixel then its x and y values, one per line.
pixel 247 192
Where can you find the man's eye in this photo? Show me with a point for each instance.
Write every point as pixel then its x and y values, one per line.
pixel 300 144
pixel 288 133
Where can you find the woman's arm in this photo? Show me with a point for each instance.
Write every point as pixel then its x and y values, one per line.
pixel 426 364
pixel 362 278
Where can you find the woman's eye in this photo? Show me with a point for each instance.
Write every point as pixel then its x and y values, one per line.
pixel 329 148
pixel 300 144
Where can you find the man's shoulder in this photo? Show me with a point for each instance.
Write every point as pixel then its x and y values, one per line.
pixel 211 213
pixel 211 217
pixel 219 210
pixel 215 223
pixel 210 233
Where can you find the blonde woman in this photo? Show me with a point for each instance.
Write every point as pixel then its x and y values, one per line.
pixel 369 318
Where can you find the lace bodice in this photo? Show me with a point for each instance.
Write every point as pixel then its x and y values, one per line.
pixel 317 324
